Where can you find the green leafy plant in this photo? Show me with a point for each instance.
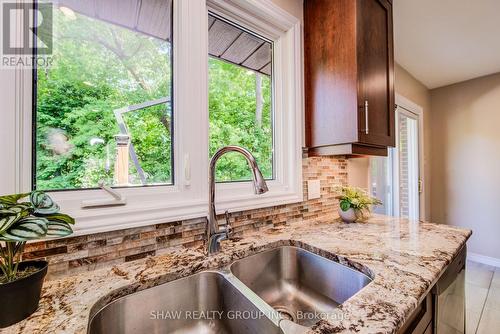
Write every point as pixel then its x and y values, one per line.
pixel 23 221
pixel 355 198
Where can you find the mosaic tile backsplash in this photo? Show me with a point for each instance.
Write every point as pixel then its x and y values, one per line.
pixel 90 252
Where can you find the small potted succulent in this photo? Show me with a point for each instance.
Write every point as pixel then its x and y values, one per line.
pixel 20 221
pixel 355 204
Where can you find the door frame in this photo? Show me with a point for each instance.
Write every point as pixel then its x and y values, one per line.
pixel 414 108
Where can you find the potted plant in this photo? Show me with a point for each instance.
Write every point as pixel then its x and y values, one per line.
pixel 355 204
pixel 21 281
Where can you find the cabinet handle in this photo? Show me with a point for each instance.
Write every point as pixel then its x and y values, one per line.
pixel 366 117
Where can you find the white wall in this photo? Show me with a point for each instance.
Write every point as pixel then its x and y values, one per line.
pixel 7 132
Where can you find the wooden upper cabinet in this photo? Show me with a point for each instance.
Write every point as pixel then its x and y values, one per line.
pixel 349 76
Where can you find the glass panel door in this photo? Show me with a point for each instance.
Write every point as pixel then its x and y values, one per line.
pixel 395 179
pixel 408 164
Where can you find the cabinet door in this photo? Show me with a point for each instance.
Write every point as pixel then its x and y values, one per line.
pixel 330 72
pixel 375 73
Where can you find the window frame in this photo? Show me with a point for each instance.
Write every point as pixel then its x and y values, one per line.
pixel 212 12
pixel 272 23
pixel 188 196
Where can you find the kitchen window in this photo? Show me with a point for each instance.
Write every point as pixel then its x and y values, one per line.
pixel 110 85
pixel 240 98
pixel 141 104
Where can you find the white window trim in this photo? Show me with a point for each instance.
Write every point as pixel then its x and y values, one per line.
pixel 189 198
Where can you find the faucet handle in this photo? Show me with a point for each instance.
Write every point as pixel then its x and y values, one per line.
pixel 227 226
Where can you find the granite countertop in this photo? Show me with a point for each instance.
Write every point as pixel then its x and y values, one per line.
pixel 404 259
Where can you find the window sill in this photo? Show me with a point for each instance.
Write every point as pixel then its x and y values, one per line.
pixel 140 212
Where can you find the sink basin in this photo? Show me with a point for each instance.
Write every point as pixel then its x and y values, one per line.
pixel 203 303
pixel 284 290
pixel 302 286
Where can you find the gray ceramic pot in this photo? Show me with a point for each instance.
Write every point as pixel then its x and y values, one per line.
pixel 348 216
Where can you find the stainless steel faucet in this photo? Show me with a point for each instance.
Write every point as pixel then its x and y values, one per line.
pixel 214 234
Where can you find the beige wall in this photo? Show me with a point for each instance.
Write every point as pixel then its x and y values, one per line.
pixel 358 172
pixel 294 7
pixel 466 160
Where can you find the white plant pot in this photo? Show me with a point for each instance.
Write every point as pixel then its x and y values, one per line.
pixel 348 216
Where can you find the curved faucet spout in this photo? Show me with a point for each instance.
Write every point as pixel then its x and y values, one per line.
pixel 260 187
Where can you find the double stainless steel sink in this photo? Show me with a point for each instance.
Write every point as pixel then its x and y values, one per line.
pixel 283 290
pixel 197 304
